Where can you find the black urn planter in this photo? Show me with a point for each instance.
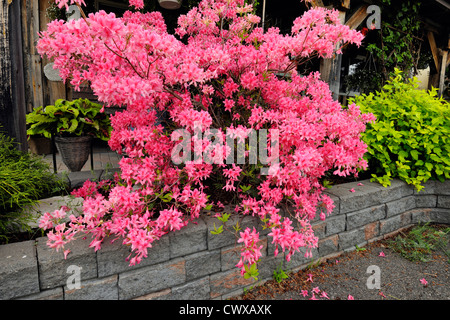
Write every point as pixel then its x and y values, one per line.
pixel 74 151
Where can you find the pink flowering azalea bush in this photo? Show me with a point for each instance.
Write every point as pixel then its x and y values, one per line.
pixel 220 76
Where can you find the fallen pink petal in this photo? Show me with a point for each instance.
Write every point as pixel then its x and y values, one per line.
pixel 424 282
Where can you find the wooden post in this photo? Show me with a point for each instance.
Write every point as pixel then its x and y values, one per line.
pixel 442 72
pixel 330 69
pixel 33 61
pixel 12 86
pixel 434 49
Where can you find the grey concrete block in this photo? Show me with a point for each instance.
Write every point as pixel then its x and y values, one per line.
pixel 321 208
pixel 336 202
pixel 18 270
pixel 319 228
pixel 329 245
pixel 53 268
pixel 365 216
pixel 429 188
pixel 348 239
pixel 420 215
pixel 190 239
pixel 194 290
pixel 77 179
pixel 299 258
pixel 225 282
pixel 268 265
pixel 363 196
pixel 335 224
pixel 54 203
pixel 442 188
pixel 399 206
pixel 112 258
pixel 51 294
pixel 153 278
pixel 231 255
pixel 390 224
pixel 369 194
pixel 227 238
pixel 203 263
pixel 426 201
pixel 437 215
pixel 443 202
pixel 96 289
pixel 440 215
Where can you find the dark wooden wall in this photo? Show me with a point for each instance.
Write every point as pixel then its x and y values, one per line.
pixel 12 79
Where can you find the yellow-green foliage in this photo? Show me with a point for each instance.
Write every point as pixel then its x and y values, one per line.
pixel 410 139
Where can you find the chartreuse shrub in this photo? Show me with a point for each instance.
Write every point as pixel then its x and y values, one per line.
pixel 410 139
pixel 24 179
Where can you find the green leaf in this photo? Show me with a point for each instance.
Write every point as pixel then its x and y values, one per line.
pixel 224 217
pixel 217 230
pixel 414 154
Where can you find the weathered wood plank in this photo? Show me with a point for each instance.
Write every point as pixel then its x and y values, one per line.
pixel 434 49
pixel 358 17
pixel 5 70
pixel 442 72
pixel 12 87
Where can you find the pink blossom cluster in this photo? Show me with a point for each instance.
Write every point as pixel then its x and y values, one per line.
pixel 220 71
pixel 251 252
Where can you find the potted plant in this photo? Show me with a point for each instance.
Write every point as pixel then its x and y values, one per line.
pixel 72 124
pixel 170 4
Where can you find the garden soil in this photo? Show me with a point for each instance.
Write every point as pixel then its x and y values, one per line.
pixel 354 274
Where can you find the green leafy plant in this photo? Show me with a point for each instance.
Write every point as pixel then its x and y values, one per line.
pixel 279 274
pixel 251 272
pixel 421 242
pixel 69 118
pixel 24 179
pixel 399 42
pixel 410 139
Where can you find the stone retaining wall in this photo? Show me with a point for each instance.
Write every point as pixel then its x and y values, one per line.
pixel 195 264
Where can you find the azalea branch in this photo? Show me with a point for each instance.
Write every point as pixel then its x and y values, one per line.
pixel 126 60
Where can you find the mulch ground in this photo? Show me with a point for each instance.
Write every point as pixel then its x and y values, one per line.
pixel 351 274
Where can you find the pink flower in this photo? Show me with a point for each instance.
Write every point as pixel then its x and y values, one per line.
pixel 316 290
pixel 66 252
pixel 310 277
pixel 304 293
pixel 360 184
pixel 214 78
pixel 350 297
pixel 381 254
pixel 324 295
pixel 424 282
pixel 352 190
